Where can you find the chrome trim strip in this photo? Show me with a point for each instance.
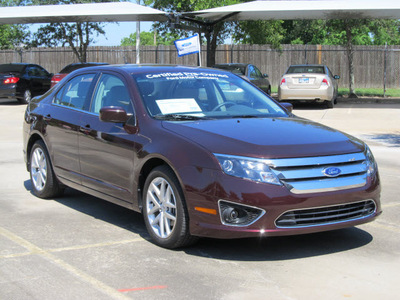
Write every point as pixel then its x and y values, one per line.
pixel 239 204
pixel 316 161
pixel 326 185
pixel 318 171
pixel 327 223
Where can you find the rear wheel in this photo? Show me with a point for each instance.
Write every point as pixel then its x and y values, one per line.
pixel 164 210
pixel 44 182
pixel 26 97
pixel 330 103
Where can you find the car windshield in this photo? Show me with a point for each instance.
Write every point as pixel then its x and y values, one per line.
pixel 203 94
pixel 306 69
pixel 11 68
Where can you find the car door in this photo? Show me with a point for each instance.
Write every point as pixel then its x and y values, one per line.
pixel 257 78
pixel 44 80
pixel 106 150
pixel 63 124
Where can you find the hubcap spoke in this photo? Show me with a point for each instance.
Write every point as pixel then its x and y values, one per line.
pixel 161 207
pixel 39 169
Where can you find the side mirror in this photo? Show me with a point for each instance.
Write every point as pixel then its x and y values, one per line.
pixel 288 106
pixel 113 114
pixel 336 77
pixel 265 75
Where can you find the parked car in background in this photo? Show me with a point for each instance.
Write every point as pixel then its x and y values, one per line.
pixel 70 68
pixel 309 82
pixel 22 81
pixel 250 73
pixel 199 152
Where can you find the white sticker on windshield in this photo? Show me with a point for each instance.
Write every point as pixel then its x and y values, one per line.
pixel 173 106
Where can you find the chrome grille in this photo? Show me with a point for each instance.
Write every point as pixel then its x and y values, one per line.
pixel 307 175
pixel 326 215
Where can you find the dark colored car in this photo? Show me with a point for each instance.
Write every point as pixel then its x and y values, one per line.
pixel 72 67
pixel 23 81
pixel 200 152
pixel 249 72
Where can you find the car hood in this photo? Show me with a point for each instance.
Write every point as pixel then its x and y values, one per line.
pixel 266 137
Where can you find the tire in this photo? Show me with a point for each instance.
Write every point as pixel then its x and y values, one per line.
pixel 269 91
pixel 329 104
pixel 164 210
pixel 44 183
pixel 26 97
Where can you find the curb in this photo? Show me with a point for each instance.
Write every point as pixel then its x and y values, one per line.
pixel 369 100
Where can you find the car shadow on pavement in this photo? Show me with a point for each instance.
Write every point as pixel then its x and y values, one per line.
pixel 389 140
pixel 249 249
pixel 100 209
pixel 282 248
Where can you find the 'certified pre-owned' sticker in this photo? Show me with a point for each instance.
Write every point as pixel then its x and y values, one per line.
pixel 186 75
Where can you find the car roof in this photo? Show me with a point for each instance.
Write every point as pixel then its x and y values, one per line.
pixel 143 68
pixel 308 65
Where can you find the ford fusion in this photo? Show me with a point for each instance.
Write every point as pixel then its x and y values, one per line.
pixel 199 152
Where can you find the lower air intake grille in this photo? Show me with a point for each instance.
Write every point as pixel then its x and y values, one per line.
pixel 326 215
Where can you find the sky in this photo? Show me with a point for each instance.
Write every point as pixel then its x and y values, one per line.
pixel 115 32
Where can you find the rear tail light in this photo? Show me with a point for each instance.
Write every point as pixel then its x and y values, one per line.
pixel 283 81
pixel 11 80
pixel 325 81
pixel 55 80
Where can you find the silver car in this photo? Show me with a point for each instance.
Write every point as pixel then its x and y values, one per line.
pixel 309 82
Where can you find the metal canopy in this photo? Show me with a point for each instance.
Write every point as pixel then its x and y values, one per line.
pixel 312 9
pixel 91 12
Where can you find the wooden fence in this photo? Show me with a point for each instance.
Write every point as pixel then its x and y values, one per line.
pixel 372 63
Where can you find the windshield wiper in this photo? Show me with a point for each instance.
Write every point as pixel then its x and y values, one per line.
pixel 244 116
pixel 177 117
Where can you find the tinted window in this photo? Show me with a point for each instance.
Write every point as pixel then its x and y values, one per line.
pixel 11 68
pixel 74 92
pixel 306 69
pixel 204 94
pixel 111 91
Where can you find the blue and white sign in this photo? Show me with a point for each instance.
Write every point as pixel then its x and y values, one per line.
pixel 188 45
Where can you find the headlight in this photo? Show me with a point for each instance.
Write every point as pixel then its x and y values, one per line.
pixel 370 162
pixel 248 168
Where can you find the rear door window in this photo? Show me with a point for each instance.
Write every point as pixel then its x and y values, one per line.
pixel 75 92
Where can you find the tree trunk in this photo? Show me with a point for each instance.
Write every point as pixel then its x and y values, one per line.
pixel 350 56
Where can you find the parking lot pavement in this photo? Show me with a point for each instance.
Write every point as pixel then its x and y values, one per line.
pixel 80 247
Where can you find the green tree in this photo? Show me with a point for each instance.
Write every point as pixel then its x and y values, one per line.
pixel 12 36
pixel 259 33
pixel 215 33
pixel 77 35
pixel 147 39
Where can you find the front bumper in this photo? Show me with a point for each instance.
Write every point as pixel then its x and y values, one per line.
pixel 274 201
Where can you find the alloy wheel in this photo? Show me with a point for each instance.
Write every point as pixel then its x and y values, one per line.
pixel 39 169
pixel 161 207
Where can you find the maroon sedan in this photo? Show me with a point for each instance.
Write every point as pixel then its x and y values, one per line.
pixel 200 152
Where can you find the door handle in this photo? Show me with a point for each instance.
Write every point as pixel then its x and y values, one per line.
pixel 85 130
pixel 47 117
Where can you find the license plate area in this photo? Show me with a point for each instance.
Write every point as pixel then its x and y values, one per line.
pixel 304 80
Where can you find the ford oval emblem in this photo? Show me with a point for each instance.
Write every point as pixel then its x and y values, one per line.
pixel 331 171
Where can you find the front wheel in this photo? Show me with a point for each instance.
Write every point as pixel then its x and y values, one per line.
pixel 164 210
pixel 44 182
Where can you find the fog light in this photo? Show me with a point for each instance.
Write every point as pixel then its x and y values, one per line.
pixel 234 214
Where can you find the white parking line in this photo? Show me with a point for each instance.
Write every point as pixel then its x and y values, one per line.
pixel 33 249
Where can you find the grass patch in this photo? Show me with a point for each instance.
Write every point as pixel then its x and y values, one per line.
pixel 371 92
